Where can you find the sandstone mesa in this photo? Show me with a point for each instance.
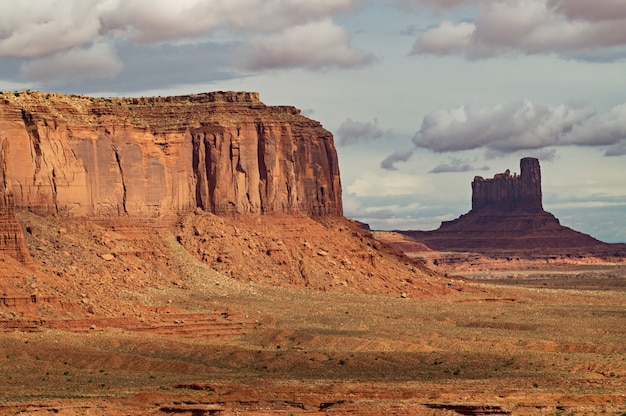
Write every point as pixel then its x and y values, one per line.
pixel 224 152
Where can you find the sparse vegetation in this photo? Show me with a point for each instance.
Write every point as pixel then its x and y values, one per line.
pixel 157 313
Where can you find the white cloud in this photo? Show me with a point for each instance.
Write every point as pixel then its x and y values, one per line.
pixel 518 126
pixel 34 29
pixel 569 29
pixel 446 38
pixel 161 20
pixel 279 33
pixel 456 165
pixel 314 45
pixel 371 183
pixel 416 4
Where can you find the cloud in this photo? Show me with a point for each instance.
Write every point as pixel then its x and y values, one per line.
pixel 456 165
pixel 596 10
pixel 618 149
pixel 520 125
pixel 417 4
pixel 315 45
pixel 96 61
pixel 375 184
pixel 573 29
pixel 164 19
pixel 273 34
pixel 33 30
pixel 352 132
pixel 447 38
pixel 389 163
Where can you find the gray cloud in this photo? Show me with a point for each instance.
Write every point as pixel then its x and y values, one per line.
pixel 389 163
pixel 352 132
pixel 618 149
pixel 574 29
pixel 596 10
pixel 456 165
pixel 98 60
pixel 273 34
pixel 520 125
pixel 147 67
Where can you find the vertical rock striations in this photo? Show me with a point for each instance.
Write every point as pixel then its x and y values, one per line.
pixel 11 234
pixel 225 152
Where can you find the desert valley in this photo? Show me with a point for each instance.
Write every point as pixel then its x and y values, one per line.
pixel 189 255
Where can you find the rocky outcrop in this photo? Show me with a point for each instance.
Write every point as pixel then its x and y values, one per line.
pixel 224 152
pixel 505 192
pixel 507 214
pixel 11 234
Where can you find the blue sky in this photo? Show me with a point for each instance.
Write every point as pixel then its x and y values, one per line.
pixel 421 95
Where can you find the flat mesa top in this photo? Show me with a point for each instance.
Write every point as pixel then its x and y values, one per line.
pixel 224 107
pixel 32 97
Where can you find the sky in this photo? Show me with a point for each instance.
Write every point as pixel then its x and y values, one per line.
pixel 420 95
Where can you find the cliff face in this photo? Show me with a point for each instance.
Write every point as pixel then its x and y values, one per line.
pixel 225 152
pixel 505 192
pixel 507 214
pixel 11 234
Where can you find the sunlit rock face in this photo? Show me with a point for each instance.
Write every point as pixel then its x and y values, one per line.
pixel 224 152
pixel 11 234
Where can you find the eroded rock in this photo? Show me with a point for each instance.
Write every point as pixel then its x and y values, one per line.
pixel 507 214
pixel 223 152
pixel 11 233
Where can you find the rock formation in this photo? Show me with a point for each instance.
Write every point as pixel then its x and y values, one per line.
pixel 11 234
pixel 224 152
pixel 507 214
pixel 505 192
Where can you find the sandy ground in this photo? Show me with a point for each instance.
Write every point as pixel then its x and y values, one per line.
pixel 157 330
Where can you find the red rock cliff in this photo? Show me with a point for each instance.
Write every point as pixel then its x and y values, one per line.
pixel 225 152
pixel 11 234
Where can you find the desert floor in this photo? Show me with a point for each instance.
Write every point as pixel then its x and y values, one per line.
pixel 261 350
pixel 518 344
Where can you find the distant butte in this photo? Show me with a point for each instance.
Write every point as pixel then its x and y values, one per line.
pixel 507 214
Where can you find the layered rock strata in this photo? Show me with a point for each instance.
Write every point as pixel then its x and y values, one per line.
pixel 224 152
pixel 507 214
pixel 11 234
